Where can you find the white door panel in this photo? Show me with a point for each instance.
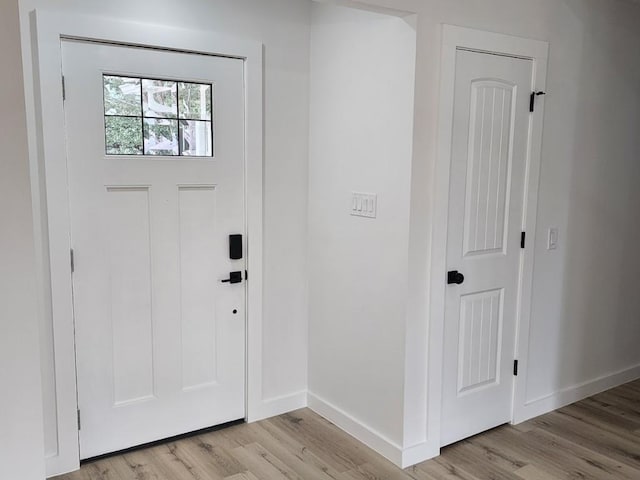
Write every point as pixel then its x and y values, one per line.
pixel 160 340
pixel 489 155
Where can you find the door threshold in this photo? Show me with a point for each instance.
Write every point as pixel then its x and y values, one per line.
pixel 164 441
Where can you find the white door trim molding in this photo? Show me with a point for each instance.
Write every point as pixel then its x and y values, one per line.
pixel 48 161
pixel 454 38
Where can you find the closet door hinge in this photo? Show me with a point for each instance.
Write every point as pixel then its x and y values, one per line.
pixel 515 368
pixel 72 260
pixel 64 90
pixel 79 424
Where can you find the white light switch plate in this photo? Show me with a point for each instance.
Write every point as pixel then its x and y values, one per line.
pixel 552 243
pixel 364 205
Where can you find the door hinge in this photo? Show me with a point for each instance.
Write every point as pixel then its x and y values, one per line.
pixel 246 274
pixel 523 239
pixel 64 90
pixel 532 101
pixel 72 260
pixel 515 368
pixel 79 424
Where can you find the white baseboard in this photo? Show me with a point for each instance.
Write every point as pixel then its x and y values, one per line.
pixel 403 458
pixel 272 407
pixel 356 429
pixel 575 393
pixel 57 465
pixel 419 453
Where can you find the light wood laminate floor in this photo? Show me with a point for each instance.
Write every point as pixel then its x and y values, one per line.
pixel 597 438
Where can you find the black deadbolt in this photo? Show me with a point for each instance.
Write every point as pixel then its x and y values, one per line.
pixel 235 247
pixel 455 278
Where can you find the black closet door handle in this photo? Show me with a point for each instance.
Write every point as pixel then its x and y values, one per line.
pixel 454 277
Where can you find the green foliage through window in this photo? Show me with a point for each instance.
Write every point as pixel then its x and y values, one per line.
pixel 157 117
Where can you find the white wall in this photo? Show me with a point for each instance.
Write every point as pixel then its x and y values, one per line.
pixel 21 439
pixel 586 306
pixel 362 82
pixel 283 27
pixel 585 311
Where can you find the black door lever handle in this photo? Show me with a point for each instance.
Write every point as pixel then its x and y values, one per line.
pixel 455 278
pixel 234 277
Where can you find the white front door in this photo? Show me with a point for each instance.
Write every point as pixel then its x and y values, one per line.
pixel 488 167
pixel 155 146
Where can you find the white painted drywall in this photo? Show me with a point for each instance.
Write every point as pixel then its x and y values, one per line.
pixel 362 83
pixel 585 304
pixel 21 437
pixel 283 27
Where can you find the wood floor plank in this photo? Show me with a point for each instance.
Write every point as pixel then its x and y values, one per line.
pixel 142 466
pixel 417 474
pixel 443 469
pixel 243 476
pixel 594 463
pixel 475 461
pixel 622 400
pixel 176 459
pixel 531 472
pixel 605 442
pixel 595 439
pixel 263 464
pixel 559 457
pixel 331 445
pixel 305 453
pixel 603 415
pixel 100 470
pixel 299 459
pixel 119 468
pixel 524 427
pixel 491 453
pixel 212 458
pixel 378 471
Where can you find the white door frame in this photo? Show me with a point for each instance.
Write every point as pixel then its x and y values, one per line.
pixel 454 38
pixel 48 153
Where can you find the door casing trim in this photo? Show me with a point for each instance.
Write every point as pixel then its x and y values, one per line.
pixel 47 156
pixel 454 38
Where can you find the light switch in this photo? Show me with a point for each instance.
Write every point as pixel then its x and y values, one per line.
pixel 364 205
pixel 552 244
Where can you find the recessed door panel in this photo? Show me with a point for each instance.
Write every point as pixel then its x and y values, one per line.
pixel 197 212
pixel 127 214
pixel 489 162
pixel 479 347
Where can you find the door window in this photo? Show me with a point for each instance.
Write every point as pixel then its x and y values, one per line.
pixel 144 116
